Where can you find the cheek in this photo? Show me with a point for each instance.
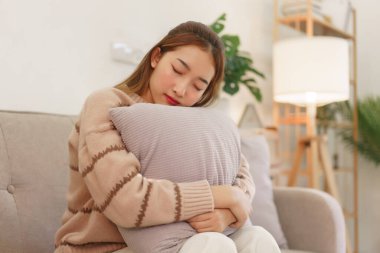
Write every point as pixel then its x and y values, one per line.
pixel 194 98
pixel 163 79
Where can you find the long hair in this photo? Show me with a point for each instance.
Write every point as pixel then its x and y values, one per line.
pixel 188 33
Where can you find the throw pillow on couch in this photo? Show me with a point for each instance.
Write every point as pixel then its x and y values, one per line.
pixel 180 144
pixel 264 214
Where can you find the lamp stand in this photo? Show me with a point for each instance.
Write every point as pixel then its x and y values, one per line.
pixel 316 146
pixel 305 144
pixel 316 149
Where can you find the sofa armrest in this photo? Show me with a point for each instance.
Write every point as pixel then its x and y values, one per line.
pixel 312 220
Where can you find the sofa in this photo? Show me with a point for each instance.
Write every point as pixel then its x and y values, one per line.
pixel 34 178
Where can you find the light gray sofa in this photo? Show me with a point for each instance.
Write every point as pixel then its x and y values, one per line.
pixel 34 177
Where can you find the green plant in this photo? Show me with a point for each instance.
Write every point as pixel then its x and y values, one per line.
pixel 368 143
pixel 238 64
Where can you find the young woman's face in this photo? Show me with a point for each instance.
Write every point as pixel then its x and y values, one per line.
pixel 179 77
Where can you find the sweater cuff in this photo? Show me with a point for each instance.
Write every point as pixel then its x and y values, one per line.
pixel 196 198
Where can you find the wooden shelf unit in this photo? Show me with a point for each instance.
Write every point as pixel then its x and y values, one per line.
pixel 319 27
pixel 292 121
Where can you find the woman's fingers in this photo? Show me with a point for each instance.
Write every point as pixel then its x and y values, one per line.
pixel 216 221
pixel 235 199
pixel 240 215
pixel 241 208
pixel 201 217
pixel 200 225
pixel 206 226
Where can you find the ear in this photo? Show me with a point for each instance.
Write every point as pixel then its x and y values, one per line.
pixel 155 57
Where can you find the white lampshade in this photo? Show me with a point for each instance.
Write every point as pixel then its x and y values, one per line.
pixel 311 70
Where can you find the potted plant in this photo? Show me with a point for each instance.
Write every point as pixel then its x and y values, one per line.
pixel 368 143
pixel 238 64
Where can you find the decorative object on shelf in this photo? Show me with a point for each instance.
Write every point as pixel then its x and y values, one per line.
pixel 334 114
pixel 340 12
pixel 311 72
pixel 238 63
pixel 335 12
pixel 251 118
pixel 297 7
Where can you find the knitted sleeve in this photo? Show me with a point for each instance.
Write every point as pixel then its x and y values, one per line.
pixel 244 179
pixel 112 174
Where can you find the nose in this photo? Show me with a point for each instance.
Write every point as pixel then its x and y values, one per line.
pixel 180 88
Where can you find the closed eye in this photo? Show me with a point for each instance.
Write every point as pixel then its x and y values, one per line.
pixel 176 71
pixel 198 87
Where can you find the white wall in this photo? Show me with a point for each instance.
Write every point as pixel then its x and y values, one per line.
pixel 54 53
pixel 368 21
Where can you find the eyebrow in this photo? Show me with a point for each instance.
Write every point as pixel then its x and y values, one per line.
pixel 188 68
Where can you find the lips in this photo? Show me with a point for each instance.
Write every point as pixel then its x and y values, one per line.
pixel 171 101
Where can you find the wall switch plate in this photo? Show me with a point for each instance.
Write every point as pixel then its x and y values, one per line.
pixel 122 52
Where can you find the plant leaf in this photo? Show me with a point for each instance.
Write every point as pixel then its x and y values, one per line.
pixel 231 44
pixel 249 80
pixel 368 143
pixel 257 72
pixel 238 63
pixel 218 24
pixel 231 87
pixel 255 91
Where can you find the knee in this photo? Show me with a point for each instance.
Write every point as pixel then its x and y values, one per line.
pixel 220 239
pixel 209 242
pixel 255 239
pixel 260 231
pixel 256 231
pixel 265 242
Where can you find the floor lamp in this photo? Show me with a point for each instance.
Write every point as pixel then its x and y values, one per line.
pixel 311 72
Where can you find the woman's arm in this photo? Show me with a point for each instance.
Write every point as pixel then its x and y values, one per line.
pixel 219 219
pixel 244 179
pixel 112 174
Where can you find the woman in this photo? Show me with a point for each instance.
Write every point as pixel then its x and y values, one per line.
pixel 106 189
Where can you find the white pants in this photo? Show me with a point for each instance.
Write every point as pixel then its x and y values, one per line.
pixel 250 239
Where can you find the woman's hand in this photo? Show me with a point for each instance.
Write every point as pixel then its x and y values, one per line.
pixel 216 221
pixel 231 197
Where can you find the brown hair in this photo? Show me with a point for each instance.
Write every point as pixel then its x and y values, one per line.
pixel 188 33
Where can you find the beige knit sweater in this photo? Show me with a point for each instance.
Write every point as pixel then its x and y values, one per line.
pixel 106 188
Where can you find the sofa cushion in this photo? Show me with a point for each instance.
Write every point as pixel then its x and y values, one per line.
pixel 180 144
pixel 256 150
pixel 33 179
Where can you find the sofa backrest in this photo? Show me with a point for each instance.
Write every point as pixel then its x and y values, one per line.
pixel 33 179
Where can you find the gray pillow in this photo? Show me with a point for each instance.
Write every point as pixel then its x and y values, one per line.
pixel 180 144
pixel 255 149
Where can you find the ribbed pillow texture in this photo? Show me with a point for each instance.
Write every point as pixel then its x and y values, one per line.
pixel 181 144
